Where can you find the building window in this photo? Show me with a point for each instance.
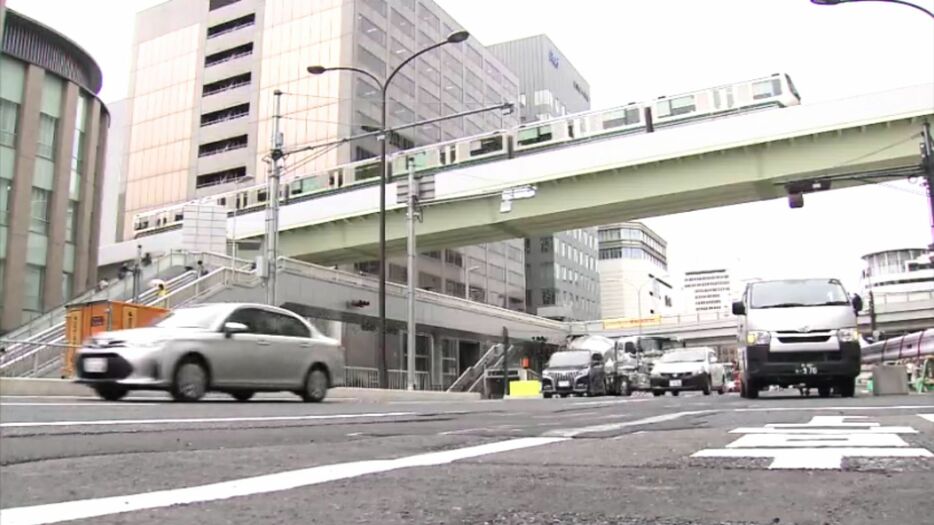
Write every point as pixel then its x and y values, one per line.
pixel 228 54
pixel 39 219
pixel 454 257
pixel 548 296
pixel 546 244
pixel 223 115
pixel 33 283
pixel 231 25
pixel 377 5
pixel 226 84
pixel 46 147
pixel 70 221
pixel 220 177
pixel 402 23
pixel 217 4
pixel 371 62
pixel 9 115
pixel 428 18
pixel 371 30
pixel 475 57
pixel 222 146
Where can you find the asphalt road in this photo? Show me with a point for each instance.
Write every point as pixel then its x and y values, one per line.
pixel 638 460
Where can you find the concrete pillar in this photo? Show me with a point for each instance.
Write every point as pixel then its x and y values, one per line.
pixel 101 125
pixel 20 203
pixel 65 137
pixel 83 240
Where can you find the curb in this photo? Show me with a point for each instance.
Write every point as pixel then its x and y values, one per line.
pixel 10 386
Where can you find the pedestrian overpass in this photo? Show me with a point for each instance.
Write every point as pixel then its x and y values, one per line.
pixel 729 160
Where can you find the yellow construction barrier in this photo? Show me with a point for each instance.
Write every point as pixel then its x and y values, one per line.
pixel 525 388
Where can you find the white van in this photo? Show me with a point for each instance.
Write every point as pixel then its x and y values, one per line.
pixel 798 332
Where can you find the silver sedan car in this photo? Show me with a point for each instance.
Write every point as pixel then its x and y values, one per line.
pixel 239 349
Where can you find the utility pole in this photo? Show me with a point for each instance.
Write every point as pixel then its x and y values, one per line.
pixel 505 361
pixel 137 272
pixel 413 271
pixel 272 210
pixel 927 166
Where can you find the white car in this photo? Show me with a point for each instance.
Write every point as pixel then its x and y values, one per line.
pixel 688 369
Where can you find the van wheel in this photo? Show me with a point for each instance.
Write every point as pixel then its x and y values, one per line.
pixel 823 391
pixel 191 381
pixel 847 387
pixel 111 392
pixel 316 386
pixel 706 387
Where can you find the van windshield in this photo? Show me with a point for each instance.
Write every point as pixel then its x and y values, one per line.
pixel 573 358
pixel 805 292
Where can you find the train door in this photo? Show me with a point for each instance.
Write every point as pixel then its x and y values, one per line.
pixel 723 99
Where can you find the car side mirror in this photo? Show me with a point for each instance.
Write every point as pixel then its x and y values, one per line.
pixel 231 328
pixel 857 303
pixel 739 308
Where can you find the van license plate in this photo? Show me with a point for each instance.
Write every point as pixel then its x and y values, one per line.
pixel 807 369
pixel 564 383
pixel 674 382
pixel 95 365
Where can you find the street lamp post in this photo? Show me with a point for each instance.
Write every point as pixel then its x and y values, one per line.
pixel 453 38
pixel 900 2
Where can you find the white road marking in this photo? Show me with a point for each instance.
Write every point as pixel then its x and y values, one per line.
pixel 929 417
pixel 609 427
pixel 815 458
pixel 89 508
pixel 822 443
pixel 811 409
pixel 609 403
pixel 109 422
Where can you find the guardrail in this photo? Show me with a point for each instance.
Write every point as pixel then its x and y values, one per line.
pixel 910 347
pixel 35 360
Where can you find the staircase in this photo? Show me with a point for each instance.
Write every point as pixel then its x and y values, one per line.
pixel 35 350
pixel 472 378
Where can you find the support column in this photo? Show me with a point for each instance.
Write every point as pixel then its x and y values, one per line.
pixel 20 200
pixel 65 136
pixel 101 124
pixel 83 241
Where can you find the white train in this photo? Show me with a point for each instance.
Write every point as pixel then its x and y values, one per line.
pixel 774 91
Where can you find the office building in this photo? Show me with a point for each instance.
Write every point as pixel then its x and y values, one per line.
pixel 709 290
pixel 561 268
pixel 634 280
pixel 53 133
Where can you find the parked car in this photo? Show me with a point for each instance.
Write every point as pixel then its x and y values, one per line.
pixel 688 369
pixel 573 372
pixel 239 349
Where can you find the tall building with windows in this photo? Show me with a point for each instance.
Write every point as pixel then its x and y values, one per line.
pixel 53 132
pixel 634 280
pixel 561 268
pixel 709 290
pixel 898 271
pixel 201 107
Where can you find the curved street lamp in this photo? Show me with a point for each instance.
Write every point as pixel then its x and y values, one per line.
pixel 454 38
pixel 900 2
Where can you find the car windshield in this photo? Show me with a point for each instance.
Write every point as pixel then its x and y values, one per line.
pixel 684 356
pixel 806 292
pixel 196 317
pixel 559 359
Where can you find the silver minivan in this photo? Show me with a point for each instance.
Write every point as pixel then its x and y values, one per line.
pixel 798 332
pixel 239 349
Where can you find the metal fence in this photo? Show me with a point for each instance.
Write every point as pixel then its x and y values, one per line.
pixel 367 377
pixel 42 359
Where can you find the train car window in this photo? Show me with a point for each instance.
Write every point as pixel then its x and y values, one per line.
pixel 766 89
pixel 682 105
pixel 369 171
pixel 222 201
pixel 179 216
pixel 261 196
pixel 487 145
pixel 791 86
pixel 623 117
pixel 534 135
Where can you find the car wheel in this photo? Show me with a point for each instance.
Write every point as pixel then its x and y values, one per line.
pixel 706 387
pixel 242 395
pixel 624 389
pixel 316 386
pixel 657 393
pixel 847 387
pixel 546 396
pixel 722 389
pixel 191 381
pixel 111 392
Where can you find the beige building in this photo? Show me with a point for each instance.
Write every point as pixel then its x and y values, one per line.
pixel 634 280
pixel 53 133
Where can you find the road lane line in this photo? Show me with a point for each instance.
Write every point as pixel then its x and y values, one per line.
pixel 89 508
pixel 929 417
pixel 109 422
pixel 609 427
pixel 107 405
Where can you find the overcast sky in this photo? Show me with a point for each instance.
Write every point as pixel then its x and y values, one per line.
pixel 639 49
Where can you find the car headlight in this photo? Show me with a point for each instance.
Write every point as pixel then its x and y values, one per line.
pixel 847 335
pixel 756 337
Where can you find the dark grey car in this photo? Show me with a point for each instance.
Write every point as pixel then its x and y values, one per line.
pixel 239 349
